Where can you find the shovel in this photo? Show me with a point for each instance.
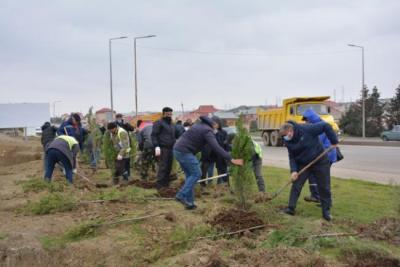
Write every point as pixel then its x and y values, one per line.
pixel 277 193
pixel 212 178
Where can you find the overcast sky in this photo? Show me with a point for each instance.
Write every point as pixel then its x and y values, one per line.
pixel 225 53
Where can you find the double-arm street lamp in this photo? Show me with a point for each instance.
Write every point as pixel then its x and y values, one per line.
pixel 111 84
pixel 136 91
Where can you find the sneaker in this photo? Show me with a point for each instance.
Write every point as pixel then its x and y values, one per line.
pixel 191 207
pixel 288 211
pixel 327 216
pixel 311 199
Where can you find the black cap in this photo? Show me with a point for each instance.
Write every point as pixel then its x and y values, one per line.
pixel 119 115
pixel 167 109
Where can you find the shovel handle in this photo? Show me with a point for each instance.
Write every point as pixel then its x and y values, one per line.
pixel 277 193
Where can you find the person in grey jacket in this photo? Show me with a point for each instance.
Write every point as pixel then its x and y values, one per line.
pixel 62 150
pixel 191 143
pixel 147 150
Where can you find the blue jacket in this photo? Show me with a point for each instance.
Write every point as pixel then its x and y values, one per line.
pixel 194 139
pixel 305 145
pixel 313 117
pixel 67 128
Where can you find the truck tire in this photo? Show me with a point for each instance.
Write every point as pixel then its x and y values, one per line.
pixel 266 139
pixel 275 139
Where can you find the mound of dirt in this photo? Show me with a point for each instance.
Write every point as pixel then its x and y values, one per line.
pixel 262 198
pixel 369 258
pixel 208 254
pixel 168 191
pixel 235 219
pixel 385 229
pixel 143 184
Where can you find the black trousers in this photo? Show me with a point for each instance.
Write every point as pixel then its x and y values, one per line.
pixel 165 167
pixel 322 173
pixel 120 168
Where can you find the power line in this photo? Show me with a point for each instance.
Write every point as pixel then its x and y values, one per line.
pixel 222 53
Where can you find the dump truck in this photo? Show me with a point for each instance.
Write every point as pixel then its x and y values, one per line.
pixel 269 121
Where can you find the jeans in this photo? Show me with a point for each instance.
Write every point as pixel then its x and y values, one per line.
pixel 207 170
pixel 55 156
pixel 94 157
pixel 191 167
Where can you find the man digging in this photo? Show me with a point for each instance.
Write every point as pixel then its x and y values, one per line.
pixel 185 150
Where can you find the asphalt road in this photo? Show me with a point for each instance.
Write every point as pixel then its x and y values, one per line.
pixel 369 163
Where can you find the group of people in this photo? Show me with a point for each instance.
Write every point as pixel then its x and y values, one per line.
pixel 165 141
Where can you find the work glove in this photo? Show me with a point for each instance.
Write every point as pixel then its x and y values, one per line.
pixel 119 157
pixel 158 151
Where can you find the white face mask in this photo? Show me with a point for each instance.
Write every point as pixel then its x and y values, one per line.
pixel 119 120
pixel 215 131
pixel 186 128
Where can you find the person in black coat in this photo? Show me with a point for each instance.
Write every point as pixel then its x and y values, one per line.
pixel 222 138
pixel 48 133
pixel 163 137
pixel 303 145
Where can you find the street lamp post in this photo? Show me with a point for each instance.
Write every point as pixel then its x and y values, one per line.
pixel 134 48
pixel 54 107
pixel 111 84
pixel 362 87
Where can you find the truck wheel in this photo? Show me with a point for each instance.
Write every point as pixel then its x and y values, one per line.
pixel 266 139
pixel 275 139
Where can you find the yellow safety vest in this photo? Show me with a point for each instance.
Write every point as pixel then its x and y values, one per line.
pixel 121 130
pixel 69 139
pixel 258 149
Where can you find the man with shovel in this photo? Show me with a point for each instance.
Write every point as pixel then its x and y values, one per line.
pixel 63 149
pixel 185 150
pixel 303 144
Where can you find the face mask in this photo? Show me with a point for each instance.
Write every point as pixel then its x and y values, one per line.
pixel 215 131
pixel 119 120
pixel 186 128
pixel 287 138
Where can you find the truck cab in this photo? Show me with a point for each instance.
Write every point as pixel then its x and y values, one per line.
pixel 269 121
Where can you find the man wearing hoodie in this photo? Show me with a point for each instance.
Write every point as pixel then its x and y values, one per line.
pixel 310 116
pixel 73 127
pixel 163 137
pixel 185 150
pixel 48 134
pixel 303 145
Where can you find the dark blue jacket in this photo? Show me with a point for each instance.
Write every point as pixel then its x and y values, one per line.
pixel 193 140
pixel 305 145
pixel 67 128
pixel 313 117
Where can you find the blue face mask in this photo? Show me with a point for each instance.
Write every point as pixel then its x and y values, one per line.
pixel 287 138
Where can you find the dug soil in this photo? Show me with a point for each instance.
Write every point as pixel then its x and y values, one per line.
pixel 235 219
pixel 385 229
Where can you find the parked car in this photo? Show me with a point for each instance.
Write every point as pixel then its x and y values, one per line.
pixel 393 135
